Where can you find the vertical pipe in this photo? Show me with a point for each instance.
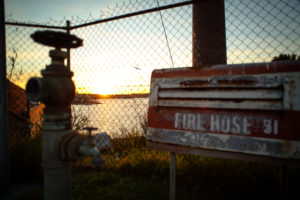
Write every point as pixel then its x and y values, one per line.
pixel 68 23
pixel 4 161
pixel 209 36
pixel 68 49
pixel 173 176
pixel 56 123
pixel 56 171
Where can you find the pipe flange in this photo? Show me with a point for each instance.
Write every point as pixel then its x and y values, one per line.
pixel 66 146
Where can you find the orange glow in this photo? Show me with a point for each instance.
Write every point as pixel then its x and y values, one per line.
pixel 110 83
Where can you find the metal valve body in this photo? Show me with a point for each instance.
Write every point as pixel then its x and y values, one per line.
pixel 56 87
pixel 57 90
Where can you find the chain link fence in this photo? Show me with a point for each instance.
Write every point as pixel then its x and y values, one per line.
pixel 119 55
pixel 125 43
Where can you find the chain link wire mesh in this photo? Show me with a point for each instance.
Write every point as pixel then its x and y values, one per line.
pixel 119 55
pixel 25 59
pixel 257 31
pixel 112 70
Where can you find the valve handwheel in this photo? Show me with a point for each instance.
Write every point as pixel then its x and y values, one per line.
pixel 57 39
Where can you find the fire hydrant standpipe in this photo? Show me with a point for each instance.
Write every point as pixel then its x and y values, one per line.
pixel 56 89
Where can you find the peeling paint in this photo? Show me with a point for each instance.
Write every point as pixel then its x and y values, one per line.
pixel 252 145
pixel 244 108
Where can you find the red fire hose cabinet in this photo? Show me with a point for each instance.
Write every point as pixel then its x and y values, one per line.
pixel 233 111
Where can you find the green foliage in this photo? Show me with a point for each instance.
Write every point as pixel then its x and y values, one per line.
pixel 131 171
pixel 139 161
pixel 131 139
pixel 115 186
pixel 198 176
pixel 231 178
pixel 128 142
pixel 25 158
pixel 285 57
pixel 210 178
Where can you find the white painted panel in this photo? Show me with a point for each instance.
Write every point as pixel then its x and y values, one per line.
pixel 260 105
pixel 223 142
pixel 222 94
pixel 154 95
pixel 255 81
pixel 291 100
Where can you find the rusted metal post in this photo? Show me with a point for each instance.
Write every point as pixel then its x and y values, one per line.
pixel 61 144
pixel 57 90
pixel 4 165
pixel 68 23
pixel 173 176
pixel 209 35
pixel 68 49
pixel 283 182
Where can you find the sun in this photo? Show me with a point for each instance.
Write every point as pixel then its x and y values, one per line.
pixel 99 86
pixel 103 88
pixel 100 83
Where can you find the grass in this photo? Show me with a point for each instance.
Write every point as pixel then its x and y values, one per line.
pixel 144 174
pixel 198 176
pixel 115 186
pixel 25 158
pixel 133 172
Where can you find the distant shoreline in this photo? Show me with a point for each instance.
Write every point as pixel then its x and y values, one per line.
pixel 89 99
pixel 122 96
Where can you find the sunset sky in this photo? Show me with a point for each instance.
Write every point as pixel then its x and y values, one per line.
pixel 43 10
pixel 118 57
pixel 106 65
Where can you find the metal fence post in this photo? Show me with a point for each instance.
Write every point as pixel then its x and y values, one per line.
pixel 173 176
pixel 283 182
pixel 209 35
pixel 4 161
pixel 68 49
pixel 68 64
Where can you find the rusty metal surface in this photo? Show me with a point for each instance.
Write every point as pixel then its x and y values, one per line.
pixel 56 87
pixel 249 108
pixel 57 90
pixel 209 33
